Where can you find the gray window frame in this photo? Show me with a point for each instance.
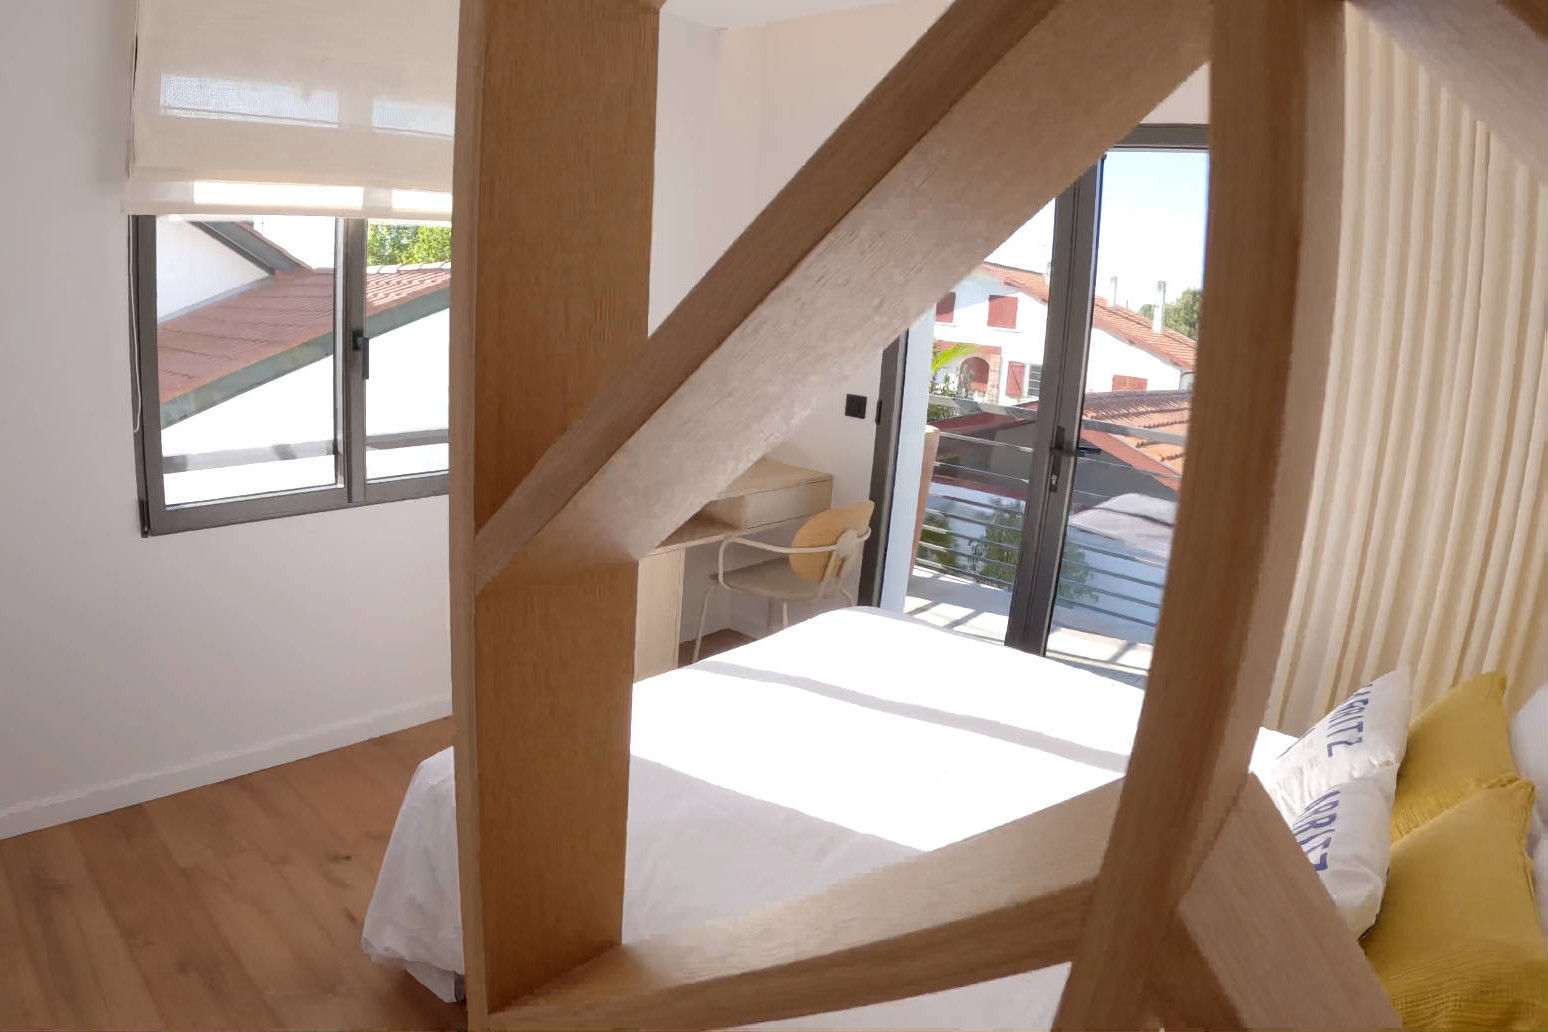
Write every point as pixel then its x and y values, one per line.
pixel 351 489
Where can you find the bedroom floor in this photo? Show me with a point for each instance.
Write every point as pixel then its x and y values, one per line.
pixel 233 905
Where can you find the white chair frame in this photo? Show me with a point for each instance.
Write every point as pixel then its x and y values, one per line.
pixel 844 552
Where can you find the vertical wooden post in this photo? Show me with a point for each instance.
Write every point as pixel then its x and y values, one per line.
pixel 1276 142
pixel 552 222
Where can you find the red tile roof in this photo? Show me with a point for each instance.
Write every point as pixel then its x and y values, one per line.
pixel 1168 345
pixel 1164 411
pixel 274 315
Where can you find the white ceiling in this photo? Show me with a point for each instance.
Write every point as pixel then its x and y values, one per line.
pixel 744 13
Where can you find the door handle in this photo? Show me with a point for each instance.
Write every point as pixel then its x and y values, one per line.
pixel 361 343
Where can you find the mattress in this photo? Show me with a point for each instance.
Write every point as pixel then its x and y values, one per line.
pixel 842 744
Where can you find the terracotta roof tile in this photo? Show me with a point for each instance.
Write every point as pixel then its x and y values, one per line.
pixel 1168 345
pixel 273 315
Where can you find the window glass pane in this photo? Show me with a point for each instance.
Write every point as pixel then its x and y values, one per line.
pixel 1134 418
pixel 408 294
pixel 986 367
pixel 244 353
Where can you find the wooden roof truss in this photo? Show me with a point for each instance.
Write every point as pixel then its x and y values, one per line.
pixel 1179 893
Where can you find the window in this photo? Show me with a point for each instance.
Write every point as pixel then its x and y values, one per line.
pixel 1002 311
pixel 1129 383
pixel 287 364
pixel 946 308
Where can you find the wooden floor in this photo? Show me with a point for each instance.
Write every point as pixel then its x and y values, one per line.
pixel 237 905
pixel 714 642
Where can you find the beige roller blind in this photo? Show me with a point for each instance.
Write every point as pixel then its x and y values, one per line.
pixel 336 106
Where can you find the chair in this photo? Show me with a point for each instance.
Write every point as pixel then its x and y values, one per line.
pixel 811 567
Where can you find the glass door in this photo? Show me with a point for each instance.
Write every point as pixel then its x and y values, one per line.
pixel 1130 422
pixel 986 356
pixel 1059 382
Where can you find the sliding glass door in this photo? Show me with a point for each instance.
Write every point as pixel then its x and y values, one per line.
pixel 1060 373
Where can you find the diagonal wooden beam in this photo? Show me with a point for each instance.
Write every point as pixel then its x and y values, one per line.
pixel 1007 901
pixel 998 107
pixel 1492 53
pixel 1257 942
pixel 1276 136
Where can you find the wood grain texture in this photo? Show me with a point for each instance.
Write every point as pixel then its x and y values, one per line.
pixel 1276 138
pixel 1007 901
pixel 552 208
pixel 236 905
pixel 1492 53
pixel 1257 943
pixel 951 152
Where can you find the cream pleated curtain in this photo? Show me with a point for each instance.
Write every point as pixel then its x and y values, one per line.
pixel 1427 539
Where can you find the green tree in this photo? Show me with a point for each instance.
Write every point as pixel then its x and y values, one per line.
pixel 1182 315
pixel 394 243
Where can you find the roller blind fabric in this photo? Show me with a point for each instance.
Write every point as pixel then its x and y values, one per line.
pixel 338 107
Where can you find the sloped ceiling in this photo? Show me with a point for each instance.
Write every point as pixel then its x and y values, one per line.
pixel 745 13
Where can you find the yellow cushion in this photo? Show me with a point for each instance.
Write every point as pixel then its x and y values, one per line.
pixel 1457 944
pixel 1460 742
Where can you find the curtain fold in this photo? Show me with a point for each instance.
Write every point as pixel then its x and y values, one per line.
pixel 1426 542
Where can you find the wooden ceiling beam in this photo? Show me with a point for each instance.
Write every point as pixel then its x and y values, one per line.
pixel 1276 145
pixel 999 106
pixel 1492 53
pixel 1007 901
pixel 1257 942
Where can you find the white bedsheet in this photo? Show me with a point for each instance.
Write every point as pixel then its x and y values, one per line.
pixel 840 745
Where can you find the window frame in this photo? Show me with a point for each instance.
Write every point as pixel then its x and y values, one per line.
pixel 351 488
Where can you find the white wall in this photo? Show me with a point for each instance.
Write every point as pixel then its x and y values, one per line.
pixel 192 266
pixel 132 667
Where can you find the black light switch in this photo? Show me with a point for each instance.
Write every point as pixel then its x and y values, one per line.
pixel 854 405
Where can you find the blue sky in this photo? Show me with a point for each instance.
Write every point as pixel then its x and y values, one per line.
pixel 1152 228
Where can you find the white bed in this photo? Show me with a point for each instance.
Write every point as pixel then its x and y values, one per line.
pixel 842 744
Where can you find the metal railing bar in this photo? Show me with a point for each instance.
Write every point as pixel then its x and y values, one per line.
pixel 1098 609
pixel 1108 593
pixel 1130 556
pixel 1024 448
pixel 976 522
pixel 1143 433
pixel 1072 564
pixel 980 505
pixel 228 457
pixel 967 555
pixel 964 574
pixel 983 472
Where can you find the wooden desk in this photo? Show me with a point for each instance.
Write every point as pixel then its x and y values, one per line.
pixel 769 495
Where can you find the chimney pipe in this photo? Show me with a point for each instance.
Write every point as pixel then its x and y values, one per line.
pixel 1157 319
pixel 1112 298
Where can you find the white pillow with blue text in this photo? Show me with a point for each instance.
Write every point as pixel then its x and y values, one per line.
pixel 1363 736
pixel 1346 835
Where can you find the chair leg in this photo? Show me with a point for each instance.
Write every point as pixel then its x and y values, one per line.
pixel 785 610
pixel 698 641
pixel 768 620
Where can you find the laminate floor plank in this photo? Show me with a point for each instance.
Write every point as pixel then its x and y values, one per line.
pixel 236 905
pixel 81 960
pixel 195 977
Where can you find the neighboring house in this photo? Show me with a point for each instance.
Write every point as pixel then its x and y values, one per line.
pixel 1121 464
pixel 1002 311
pixel 236 310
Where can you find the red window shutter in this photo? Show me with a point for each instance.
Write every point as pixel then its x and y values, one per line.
pixel 1015 379
pixel 1002 311
pixel 946 307
pixel 1130 383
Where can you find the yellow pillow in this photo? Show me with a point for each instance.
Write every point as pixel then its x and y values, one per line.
pixel 1460 742
pixel 1457 944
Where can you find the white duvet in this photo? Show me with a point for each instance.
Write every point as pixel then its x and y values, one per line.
pixel 842 744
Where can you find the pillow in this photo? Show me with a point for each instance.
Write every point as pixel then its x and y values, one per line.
pixel 1461 741
pixel 1458 944
pixel 1344 835
pixel 1529 746
pixel 1364 735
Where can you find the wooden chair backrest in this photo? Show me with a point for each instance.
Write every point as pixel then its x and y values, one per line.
pixel 826 528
